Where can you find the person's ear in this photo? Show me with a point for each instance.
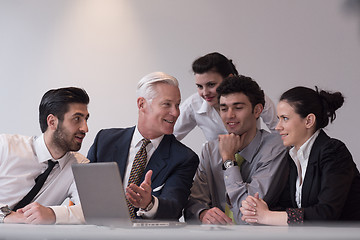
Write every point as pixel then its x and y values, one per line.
pixel 310 120
pixel 141 102
pixel 52 122
pixel 258 110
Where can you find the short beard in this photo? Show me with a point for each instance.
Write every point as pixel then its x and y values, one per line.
pixel 60 140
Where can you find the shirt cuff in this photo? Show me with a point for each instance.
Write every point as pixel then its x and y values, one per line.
pixel 149 214
pixel 68 214
pixel 232 175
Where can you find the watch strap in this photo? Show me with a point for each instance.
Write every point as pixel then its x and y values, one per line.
pixel 227 163
pixel 150 205
pixel 4 211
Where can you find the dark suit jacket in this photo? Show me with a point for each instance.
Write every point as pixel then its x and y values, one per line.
pixel 331 188
pixel 173 166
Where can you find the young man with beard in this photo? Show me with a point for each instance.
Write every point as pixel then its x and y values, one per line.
pixel 161 186
pixel 243 162
pixel 63 119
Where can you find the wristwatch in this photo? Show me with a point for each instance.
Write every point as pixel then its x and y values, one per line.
pixel 4 211
pixel 228 164
pixel 150 205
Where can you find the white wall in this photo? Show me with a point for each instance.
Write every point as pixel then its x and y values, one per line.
pixel 106 46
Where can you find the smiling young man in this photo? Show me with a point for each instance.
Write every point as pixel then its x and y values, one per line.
pixel 63 118
pixel 163 184
pixel 223 180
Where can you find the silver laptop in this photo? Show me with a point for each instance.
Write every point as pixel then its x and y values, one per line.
pixel 103 199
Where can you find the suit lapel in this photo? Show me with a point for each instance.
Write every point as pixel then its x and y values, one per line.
pixel 158 159
pixel 121 152
pixel 292 182
pixel 308 181
pixel 311 168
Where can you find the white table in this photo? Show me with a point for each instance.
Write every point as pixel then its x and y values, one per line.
pixel 22 231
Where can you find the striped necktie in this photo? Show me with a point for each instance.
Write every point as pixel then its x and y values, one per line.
pixel 137 170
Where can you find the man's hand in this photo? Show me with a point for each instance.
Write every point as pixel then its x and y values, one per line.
pixel 38 214
pixel 214 216
pixel 140 197
pixel 15 217
pixel 229 144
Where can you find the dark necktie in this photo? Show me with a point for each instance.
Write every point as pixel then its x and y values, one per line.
pixel 39 182
pixel 137 170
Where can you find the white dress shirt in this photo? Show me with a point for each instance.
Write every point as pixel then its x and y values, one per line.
pixel 301 159
pixel 22 159
pixel 150 149
pixel 195 111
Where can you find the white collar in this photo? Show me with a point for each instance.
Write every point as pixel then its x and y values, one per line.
pixel 43 154
pixel 205 107
pixel 137 137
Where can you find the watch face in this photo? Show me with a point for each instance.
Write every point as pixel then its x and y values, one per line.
pixel 228 163
pixel 5 210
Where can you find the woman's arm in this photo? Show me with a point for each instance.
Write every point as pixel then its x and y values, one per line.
pixel 186 121
pixel 255 210
pixel 269 115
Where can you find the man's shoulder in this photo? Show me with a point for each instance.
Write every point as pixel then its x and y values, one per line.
pixel 177 146
pixel 114 132
pixel 174 142
pixel 271 141
pixel 270 138
pixel 211 149
pixel 78 157
pixel 15 139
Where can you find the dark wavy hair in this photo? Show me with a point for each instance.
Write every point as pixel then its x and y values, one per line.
pixel 242 84
pixel 56 102
pixel 322 104
pixel 214 62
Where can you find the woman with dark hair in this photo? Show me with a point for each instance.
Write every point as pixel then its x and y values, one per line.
pixel 202 108
pixel 323 182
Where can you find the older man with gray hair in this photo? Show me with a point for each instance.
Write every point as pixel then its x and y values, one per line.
pixel 156 169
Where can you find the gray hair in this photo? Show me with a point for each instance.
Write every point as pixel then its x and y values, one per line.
pixel 145 87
